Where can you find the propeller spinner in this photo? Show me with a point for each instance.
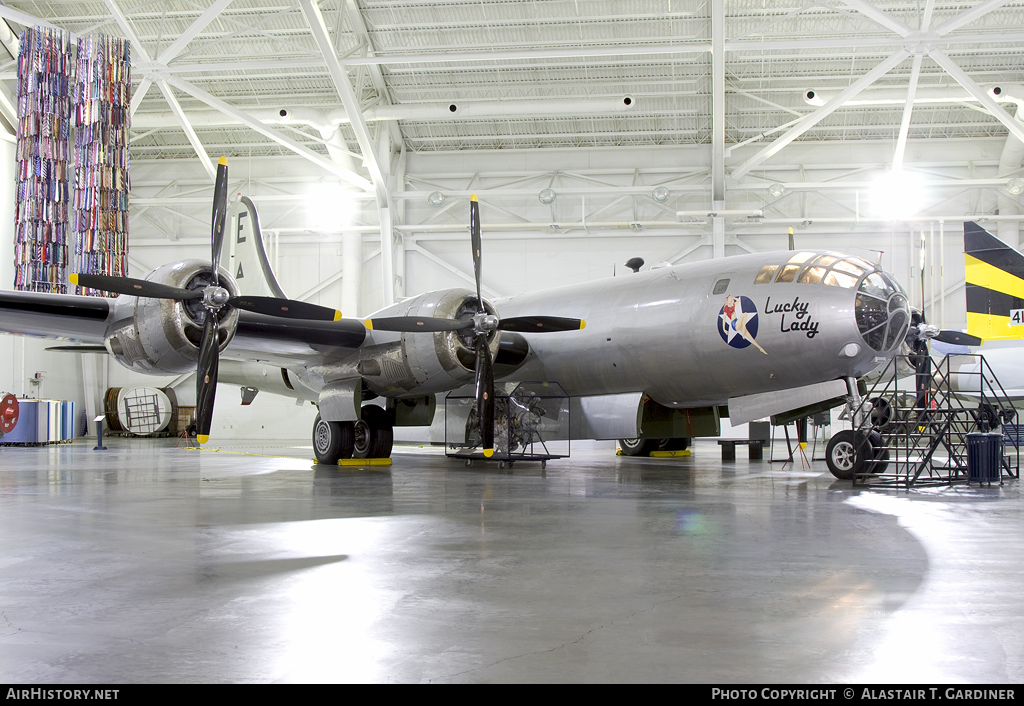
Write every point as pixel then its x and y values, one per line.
pixel 481 324
pixel 214 298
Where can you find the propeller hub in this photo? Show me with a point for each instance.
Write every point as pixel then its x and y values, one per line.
pixel 484 322
pixel 215 297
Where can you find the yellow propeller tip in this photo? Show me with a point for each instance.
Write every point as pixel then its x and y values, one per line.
pixel 488 452
pixel 368 324
pixel 73 278
pixel 803 444
pixel 472 197
pixel 203 438
pixel 583 324
pixel 337 315
pixel 223 161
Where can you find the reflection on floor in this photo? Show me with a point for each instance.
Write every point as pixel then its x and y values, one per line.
pixel 147 563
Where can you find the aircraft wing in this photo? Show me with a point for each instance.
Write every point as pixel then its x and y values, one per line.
pixel 282 342
pixel 65 316
pixel 258 337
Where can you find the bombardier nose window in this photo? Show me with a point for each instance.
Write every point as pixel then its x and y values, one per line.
pixel 883 314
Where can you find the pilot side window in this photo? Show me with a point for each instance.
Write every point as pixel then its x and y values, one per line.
pixel 721 286
pixel 766 275
pixel 788 273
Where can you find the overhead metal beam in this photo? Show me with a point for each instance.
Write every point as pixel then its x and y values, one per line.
pixel 129 32
pixel 140 94
pixel 879 17
pixel 968 16
pixel 979 93
pixel 193 138
pixel 343 86
pixel 194 29
pixel 908 109
pixel 821 113
pixel 23 18
pixel 274 135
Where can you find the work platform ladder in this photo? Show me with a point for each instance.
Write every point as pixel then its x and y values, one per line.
pixel 911 443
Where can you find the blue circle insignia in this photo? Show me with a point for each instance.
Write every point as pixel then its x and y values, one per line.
pixel 737 321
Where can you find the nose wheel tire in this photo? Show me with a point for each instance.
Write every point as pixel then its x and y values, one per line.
pixel 332 440
pixel 850 453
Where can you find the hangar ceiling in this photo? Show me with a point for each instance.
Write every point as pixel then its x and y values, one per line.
pixel 361 88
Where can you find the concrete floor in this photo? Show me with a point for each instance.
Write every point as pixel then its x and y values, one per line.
pixel 146 563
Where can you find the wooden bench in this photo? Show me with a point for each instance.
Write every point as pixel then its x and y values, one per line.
pixel 754 448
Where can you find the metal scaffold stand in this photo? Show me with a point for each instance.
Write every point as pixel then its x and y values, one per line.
pixel 948 430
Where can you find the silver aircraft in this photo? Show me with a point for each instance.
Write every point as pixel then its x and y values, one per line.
pixel 652 358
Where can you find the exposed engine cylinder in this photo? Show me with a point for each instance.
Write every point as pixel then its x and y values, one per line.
pixel 163 336
pixel 427 362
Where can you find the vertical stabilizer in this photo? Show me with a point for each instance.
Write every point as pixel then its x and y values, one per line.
pixel 995 286
pixel 249 263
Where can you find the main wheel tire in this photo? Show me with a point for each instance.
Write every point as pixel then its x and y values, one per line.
pixel 638 447
pixel 332 440
pixel 845 454
pixel 680 443
pixel 374 433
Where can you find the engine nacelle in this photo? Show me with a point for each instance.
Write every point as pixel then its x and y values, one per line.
pixel 426 362
pixel 163 336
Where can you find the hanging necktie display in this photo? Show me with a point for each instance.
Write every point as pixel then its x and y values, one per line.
pixel 101 98
pixel 45 68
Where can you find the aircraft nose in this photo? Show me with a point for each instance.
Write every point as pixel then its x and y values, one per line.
pixel 882 311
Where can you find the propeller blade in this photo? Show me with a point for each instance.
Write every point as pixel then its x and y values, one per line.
pixel 412 324
pixel 474 232
pixel 220 210
pixel 485 395
pixel 287 308
pixel 540 324
pixel 958 337
pixel 135 287
pixel 206 377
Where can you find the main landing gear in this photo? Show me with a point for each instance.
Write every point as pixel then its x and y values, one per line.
pixel 644 447
pixel 372 436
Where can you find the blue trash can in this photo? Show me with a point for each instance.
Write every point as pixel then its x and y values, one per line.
pixel 984 457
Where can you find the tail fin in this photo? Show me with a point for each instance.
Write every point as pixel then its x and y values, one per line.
pixel 995 286
pixel 249 264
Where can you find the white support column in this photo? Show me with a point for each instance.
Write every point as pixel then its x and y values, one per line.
pixel 352 267
pixel 387 254
pixel 718 103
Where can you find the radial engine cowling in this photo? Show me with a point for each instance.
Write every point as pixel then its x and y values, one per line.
pixel 426 362
pixel 163 335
